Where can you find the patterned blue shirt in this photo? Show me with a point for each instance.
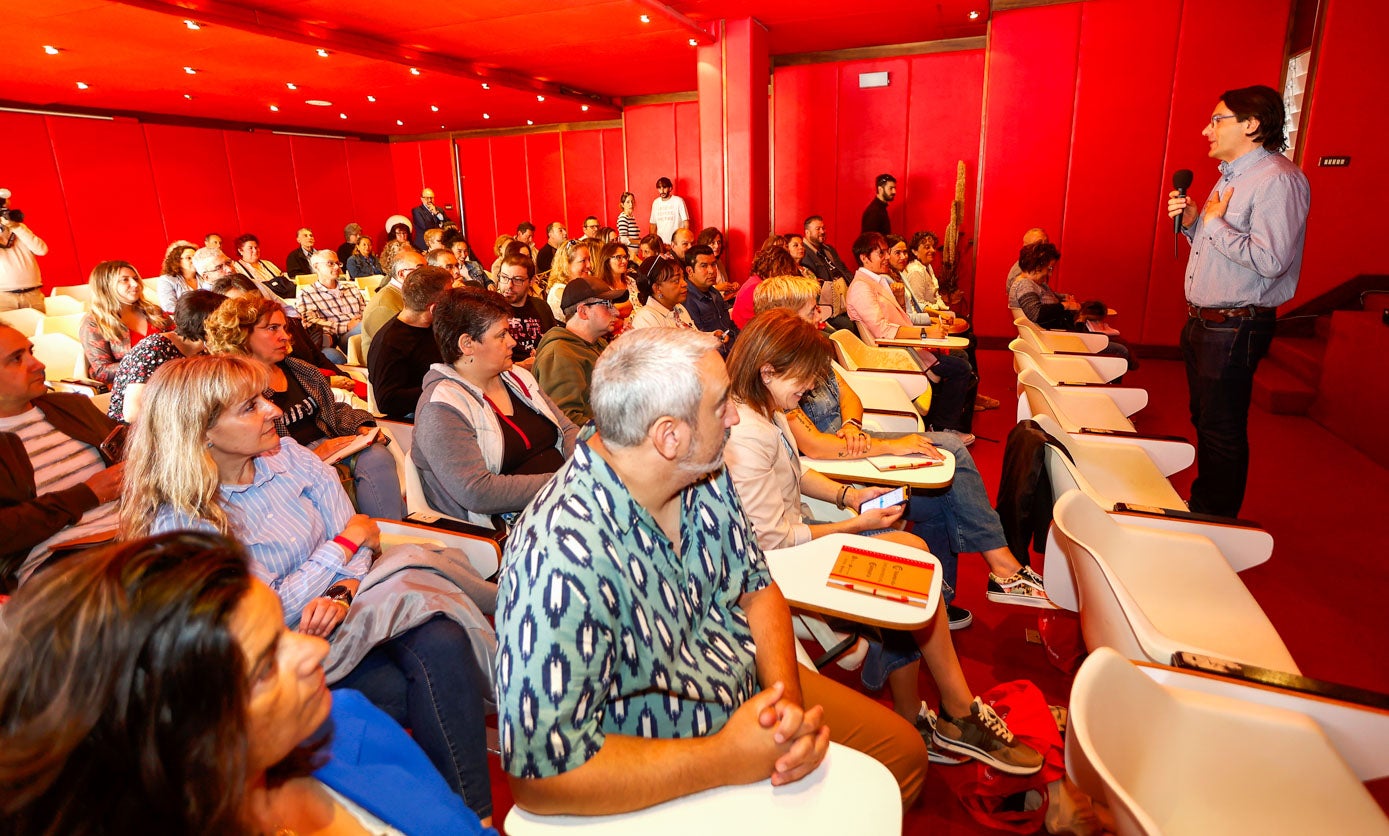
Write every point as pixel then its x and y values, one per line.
pixel 604 628
pixel 1253 255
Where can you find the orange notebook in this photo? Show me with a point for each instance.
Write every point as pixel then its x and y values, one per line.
pixel 882 575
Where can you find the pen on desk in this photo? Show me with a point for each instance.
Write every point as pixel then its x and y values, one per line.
pixel 916 465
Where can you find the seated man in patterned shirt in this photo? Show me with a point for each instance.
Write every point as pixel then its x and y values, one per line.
pixel 335 308
pixel 645 652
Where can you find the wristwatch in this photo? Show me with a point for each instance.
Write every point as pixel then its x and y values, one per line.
pixel 338 592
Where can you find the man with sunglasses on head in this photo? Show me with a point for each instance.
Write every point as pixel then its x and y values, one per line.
pixel 1246 256
pixel 530 317
pixel 564 361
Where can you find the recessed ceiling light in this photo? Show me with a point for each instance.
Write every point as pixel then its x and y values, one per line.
pixel 646 18
pixel 274 108
pixel 190 71
pixel 540 98
pixel 371 98
pixel 188 96
pixel 322 53
pixel 342 115
pixel 191 25
pixel 693 42
pixel 51 50
pixel 973 15
pixel 318 103
pixel 434 108
pixel 486 86
pixel 291 85
pixel 442 128
pixel 584 108
pixel 529 122
pixel 81 85
pixel 486 116
pixel 414 71
pixel 398 122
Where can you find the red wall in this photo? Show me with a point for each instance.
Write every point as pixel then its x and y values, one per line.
pixel 1345 115
pixel 96 190
pixel 1089 107
pixel 830 139
pixel 662 140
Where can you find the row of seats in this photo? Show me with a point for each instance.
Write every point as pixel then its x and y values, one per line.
pixel 1155 586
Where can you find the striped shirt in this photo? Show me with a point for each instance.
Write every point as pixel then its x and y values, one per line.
pixel 627 230
pixel 60 462
pixel 332 308
pixel 286 518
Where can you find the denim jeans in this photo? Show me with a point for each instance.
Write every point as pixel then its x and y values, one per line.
pixel 425 680
pixel 1220 362
pixel 952 399
pixel 959 518
pixel 378 483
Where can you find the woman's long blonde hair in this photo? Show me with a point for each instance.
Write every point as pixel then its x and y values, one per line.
pixel 105 306
pixel 167 459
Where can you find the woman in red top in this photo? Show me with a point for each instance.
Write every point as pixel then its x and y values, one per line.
pixel 118 317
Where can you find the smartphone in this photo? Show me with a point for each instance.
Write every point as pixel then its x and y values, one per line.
pixel 112 448
pixel 887 500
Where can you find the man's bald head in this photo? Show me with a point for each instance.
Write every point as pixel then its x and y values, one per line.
pixel 1035 235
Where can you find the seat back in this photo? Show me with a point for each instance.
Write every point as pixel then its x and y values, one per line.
pixel 1109 617
pixel 854 354
pixel 26 321
pixel 64 305
pixel 402 437
pixel 69 324
pixel 354 351
pixel 151 290
pixel 1041 399
pixel 1027 356
pixel 1117 716
pixel 81 292
pixel 61 356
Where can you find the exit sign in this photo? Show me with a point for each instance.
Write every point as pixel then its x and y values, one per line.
pixel 1334 162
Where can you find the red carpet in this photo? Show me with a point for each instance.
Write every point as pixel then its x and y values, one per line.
pixel 1324 502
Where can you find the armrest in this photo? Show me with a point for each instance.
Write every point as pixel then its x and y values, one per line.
pixel 483 552
pixel 1243 543
pixel 1169 454
pixel 1131 434
pixel 86 386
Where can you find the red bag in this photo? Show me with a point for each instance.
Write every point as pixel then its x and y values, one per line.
pixel 1061 639
pixel 982 790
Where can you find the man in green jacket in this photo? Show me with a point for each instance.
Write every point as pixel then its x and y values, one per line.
pixel 566 354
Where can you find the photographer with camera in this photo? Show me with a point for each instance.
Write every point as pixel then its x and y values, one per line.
pixel 20 283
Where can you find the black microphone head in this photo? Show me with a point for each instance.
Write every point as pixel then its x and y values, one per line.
pixel 1181 179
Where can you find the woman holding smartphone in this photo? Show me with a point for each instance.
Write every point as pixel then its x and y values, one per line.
pixel 777 359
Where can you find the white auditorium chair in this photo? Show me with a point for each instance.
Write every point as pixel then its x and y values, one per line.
pixel 417 507
pixel 151 290
pixel 1091 415
pixel 26 321
pixel 1171 754
pixel 898 364
pixel 63 305
pixel 354 351
pixel 886 407
pixel 61 356
pixel 1051 342
pixel 1067 369
pixel 484 553
pixel 68 324
pixel 1149 593
pixel 81 292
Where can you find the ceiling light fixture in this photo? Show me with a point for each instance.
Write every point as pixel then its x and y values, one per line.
pixel 190 71
pixel 529 122
pixel 486 86
pixel 540 98
pixel 371 98
pixel 51 50
pixel 399 123
pixel 584 108
pixel 274 108
pixel 646 18
pixel 486 116
pixel 693 42
pixel 291 85
pixel 318 103
pixel 342 115
pixel 322 53
pixel 434 108
pixel 973 15
pixel 192 26
pixel 188 96
pixel 414 71
pixel 81 85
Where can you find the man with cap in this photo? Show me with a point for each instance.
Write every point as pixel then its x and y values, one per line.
pixel 564 360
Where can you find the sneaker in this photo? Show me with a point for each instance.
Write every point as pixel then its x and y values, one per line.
pixel 1024 588
pixel 960 618
pixel 983 402
pixel 984 736
pixel 967 439
pixel 926 725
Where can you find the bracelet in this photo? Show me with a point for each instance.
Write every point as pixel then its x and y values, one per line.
pixel 843 492
pixel 347 544
pixel 854 422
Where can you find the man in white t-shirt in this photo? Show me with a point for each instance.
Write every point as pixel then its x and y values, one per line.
pixel 668 211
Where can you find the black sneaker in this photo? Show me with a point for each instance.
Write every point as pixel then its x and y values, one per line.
pixel 960 618
pixel 1025 588
pixel 926 725
pixel 984 736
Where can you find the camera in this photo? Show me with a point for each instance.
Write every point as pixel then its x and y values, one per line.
pixel 11 215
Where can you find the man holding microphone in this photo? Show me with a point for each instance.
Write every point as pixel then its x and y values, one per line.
pixel 1246 254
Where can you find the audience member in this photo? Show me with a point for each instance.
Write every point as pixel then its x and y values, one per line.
pixel 301 345
pixel 351 234
pixel 1031 290
pixel 530 316
pixel 163 661
pixel 651 245
pixel 555 236
pixel 661 722
pixel 445 260
pixel 463 251
pixel 771 260
pixel 920 275
pixel 118 317
pixel 661 290
pixel 433 239
pixel 711 237
pixel 591 226
pixel 668 212
pixel 1035 235
pixel 401 232
pixel 297 261
pixel 628 232
pixel 408 627
pixel 822 259
pixel 564 361
pixel 59 483
pixel 212 241
pixel 875 218
pixel 572 260
pixel 424 217
pixel 177 274
pixel 305 409
pixel 707 308
pixel 186 340
pixel 261 271
pixel 334 308
pixel 405 348
pixel 681 242
pixel 21 281
pixel 487 437
pixel 388 302
pixel 360 262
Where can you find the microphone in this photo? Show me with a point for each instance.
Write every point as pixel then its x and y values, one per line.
pixel 1181 181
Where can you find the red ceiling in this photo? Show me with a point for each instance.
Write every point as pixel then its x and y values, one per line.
pixel 573 52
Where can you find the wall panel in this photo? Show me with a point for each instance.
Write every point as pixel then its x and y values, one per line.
pixel 872 141
pixel 267 204
pixel 109 188
pixel 38 193
pixel 479 213
pixel 325 193
pixel 686 176
pixel 547 184
pixel 191 179
pixel 615 180
pixel 584 172
pixel 650 135
pixel 805 148
pixel 371 176
pixel 510 183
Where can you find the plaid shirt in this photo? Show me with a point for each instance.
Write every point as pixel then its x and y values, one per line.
pixel 331 308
